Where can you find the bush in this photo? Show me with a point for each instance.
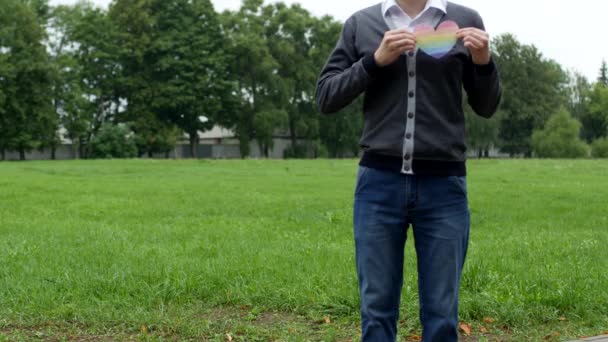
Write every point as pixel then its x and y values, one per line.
pixel 560 138
pixel 295 152
pixel 113 141
pixel 599 148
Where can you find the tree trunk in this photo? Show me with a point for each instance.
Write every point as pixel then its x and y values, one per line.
pixel 3 154
pixel 21 154
pixel 294 141
pixel 75 150
pixel 487 153
pixel 480 153
pixel 81 149
pixel 193 143
pixel 150 154
pixel 53 152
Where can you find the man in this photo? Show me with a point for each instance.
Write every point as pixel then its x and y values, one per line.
pixel 413 167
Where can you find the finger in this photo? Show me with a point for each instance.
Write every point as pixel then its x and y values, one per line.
pixel 472 42
pixel 480 35
pixel 396 32
pixel 471 31
pixel 401 35
pixel 403 45
pixel 397 44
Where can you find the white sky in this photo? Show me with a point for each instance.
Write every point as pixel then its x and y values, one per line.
pixel 568 31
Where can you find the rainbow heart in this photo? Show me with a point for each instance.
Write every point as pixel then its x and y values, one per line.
pixel 436 43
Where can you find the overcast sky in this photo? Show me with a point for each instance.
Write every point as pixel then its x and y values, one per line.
pixel 568 31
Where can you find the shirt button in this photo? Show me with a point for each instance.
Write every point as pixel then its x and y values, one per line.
pixel 407 168
pixel 411 94
pixel 408 136
pixel 410 115
pixel 411 54
pixel 412 74
pixel 407 157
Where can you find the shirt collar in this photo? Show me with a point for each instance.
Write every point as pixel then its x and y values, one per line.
pixel 438 4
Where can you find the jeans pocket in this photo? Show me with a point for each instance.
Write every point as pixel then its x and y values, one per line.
pixel 360 178
pixel 461 183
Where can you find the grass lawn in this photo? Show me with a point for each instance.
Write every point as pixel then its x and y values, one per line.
pixel 263 250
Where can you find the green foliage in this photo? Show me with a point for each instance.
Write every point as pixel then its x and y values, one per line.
pixel 602 79
pixel 560 138
pixel 87 71
pixel 595 119
pixel 340 132
pixel 27 118
pixel 113 141
pixel 481 133
pixel 533 87
pixel 154 136
pixel 290 41
pixel 599 148
pixel 188 65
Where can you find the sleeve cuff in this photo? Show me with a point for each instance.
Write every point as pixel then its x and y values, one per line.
pixel 369 63
pixel 485 70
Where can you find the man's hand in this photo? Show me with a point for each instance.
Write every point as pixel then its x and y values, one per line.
pixel 393 44
pixel 478 42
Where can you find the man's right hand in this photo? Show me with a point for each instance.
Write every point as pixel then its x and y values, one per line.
pixel 393 44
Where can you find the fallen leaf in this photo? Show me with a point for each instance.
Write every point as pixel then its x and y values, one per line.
pixel 489 320
pixel 465 328
pixel 228 338
pixel 562 318
pixel 483 330
pixel 144 329
pixel 327 320
pixel 550 337
pixel 414 338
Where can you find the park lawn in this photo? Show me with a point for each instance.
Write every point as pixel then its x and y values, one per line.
pixel 263 250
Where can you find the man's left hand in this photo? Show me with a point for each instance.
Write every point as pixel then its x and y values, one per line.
pixel 478 42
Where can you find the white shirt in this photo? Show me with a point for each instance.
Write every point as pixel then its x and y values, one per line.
pixel 395 15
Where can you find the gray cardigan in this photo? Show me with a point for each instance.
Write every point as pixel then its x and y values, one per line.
pixel 413 116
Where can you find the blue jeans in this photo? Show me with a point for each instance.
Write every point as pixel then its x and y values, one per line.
pixel 386 204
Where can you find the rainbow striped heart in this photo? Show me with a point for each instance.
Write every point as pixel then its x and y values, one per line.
pixel 436 43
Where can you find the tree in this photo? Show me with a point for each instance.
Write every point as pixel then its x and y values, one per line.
pixel 579 90
pixel 599 148
pixel 481 133
pixel 560 138
pixel 340 132
pixel 27 116
pixel 113 141
pixel 69 101
pixel 533 87
pixel 260 88
pixel 603 77
pixel 189 71
pixel 92 35
pixel 135 22
pixel 5 76
pixel 595 118
pixel 289 33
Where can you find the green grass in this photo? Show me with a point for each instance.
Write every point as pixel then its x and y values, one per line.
pixel 263 250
